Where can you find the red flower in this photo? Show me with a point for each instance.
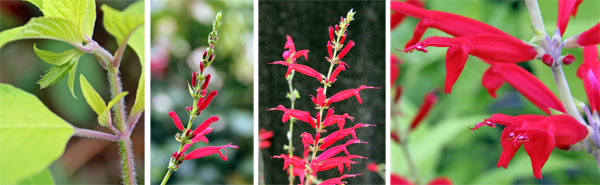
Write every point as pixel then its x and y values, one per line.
pixel 373 167
pixel 590 37
pixel 335 162
pixel 395 68
pixel 337 71
pixel 176 120
pixel 397 18
pixel 203 102
pixel 589 73
pixel 298 114
pixel 340 134
pixel 524 82
pixel 399 180
pixel 428 102
pixel 345 50
pixel 291 54
pixel 206 151
pixel 264 136
pixel 338 180
pixel 300 68
pixel 320 100
pixel 538 134
pixel 566 8
pixel 455 25
pixel 331 119
pixel 327 154
pixel 498 48
pixel 345 94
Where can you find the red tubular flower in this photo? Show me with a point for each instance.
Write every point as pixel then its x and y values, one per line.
pixel 320 101
pixel 296 162
pixel 335 162
pixel 330 49
pixel 398 94
pixel 343 38
pixel 345 94
pixel 566 8
pixel 440 181
pixel 452 24
pixel 337 71
pixel 372 167
pixel 399 180
pixel 194 79
pixel 298 114
pixel 428 102
pixel 340 134
pixel 331 35
pixel 524 82
pixel 201 137
pixel 206 81
pixel 334 151
pixel 176 120
pixel 590 37
pixel 208 150
pixel 589 73
pixel 395 137
pixel 538 134
pixel 291 54
pixel 203 103
pixel 338 180
pixel 205 124
pixel 395 69
pixel 397 18
pixel 339 119
pixel 300 68
pixel 346 49
pixel 307 139
pixel 492 47
pixel 264 136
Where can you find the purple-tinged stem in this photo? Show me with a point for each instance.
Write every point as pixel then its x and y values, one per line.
pixel 81 132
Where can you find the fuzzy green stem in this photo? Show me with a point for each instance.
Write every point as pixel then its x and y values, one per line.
pixel 292 120
pixel 81 132
pixel 565 94
pixel 167 176
pixel 536 18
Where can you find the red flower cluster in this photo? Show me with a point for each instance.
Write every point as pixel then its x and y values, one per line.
pixel 538 134
pixel 307 166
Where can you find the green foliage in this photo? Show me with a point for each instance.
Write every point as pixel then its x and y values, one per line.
pixel 44 28
pixel 29 145
pixel 124 26
pixel 93 98
pixel 105 116
pixel 45 177
pixel 64 62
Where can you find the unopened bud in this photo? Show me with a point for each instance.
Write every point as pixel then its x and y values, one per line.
pixel 210 57
pixel 343 38
pixel 567 59
pixel 331 34
pixel 204 55
pixel 337 28
pixel 206 81
pixel 548 60
pixel 194 79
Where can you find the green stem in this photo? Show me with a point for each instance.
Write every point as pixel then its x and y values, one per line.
pixel 536 18
pixel 167 176
pixel 290 133
pixel 565 94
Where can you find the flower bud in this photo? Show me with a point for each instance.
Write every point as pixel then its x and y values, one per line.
pixel 204 55
pixel 548 60
pixel 331 33
pixel 194 79
pixel 337 28
pixel 330 49
pixel 568 59
pixel 202 66
pixel 206 81
pixel 210 57
pixel 343 38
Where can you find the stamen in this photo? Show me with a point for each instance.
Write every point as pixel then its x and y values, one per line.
pixel 511 135
pixel 522 138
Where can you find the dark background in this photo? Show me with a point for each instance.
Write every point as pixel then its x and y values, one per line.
pixel 307 23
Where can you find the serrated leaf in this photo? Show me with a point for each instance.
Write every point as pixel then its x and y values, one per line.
pixel 45 177
pixel 46 28
pixel 121 24
pixel 71 78
pixel 56 58
pixel 91 96
pixel 105 116
pixel 31 136
pixel 56 73
pixel 80 12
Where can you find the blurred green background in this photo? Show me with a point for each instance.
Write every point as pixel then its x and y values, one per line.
pixel 85 161
pixel 442 145
pixel 179 35
pixel 307 22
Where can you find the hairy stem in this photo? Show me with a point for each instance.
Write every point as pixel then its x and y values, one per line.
pixel 565 94
pixel 81 132
pixel 290 133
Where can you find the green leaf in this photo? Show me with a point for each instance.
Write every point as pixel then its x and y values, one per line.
pixel 121 24
pixel 81 12
pixel 45 177
pixel 56 73
pixel 57 58
pixel 45 28
pixel 105 116
pixel 137 44
pixel 296 93
pixel 91 96
pixel 31 136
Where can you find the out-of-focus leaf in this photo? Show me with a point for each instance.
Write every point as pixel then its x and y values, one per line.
pixel 45 177
pixel 31 136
